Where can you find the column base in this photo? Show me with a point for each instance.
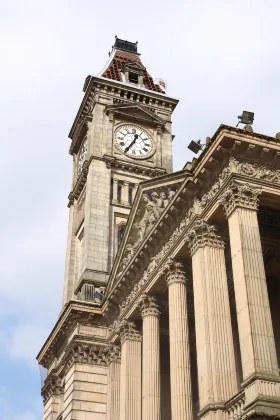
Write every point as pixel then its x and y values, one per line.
pixel 263 408
pixel 215 412
pixel 262 397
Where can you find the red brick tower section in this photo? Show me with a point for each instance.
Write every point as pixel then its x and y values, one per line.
pixel 125 66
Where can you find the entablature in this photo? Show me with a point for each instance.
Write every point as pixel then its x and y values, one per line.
pixel 198 200
pixel 73 313
pixel 119 91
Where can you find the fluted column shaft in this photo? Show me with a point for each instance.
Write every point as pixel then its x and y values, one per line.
pixel 180 375
pixel 258 352
pixel 113 394
pixel 130 381
pixel 214 342
pixel 150 359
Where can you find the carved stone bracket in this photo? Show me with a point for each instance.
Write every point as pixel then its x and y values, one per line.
pixel 87 353
pixel 201 235
pixel 240 195
pixel 174 272
pixel 148 306
pixel 53 386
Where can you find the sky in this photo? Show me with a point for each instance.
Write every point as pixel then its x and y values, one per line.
pixel 218 58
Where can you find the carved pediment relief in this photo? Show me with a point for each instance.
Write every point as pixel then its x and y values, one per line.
pixel 137 112
pixel 150 205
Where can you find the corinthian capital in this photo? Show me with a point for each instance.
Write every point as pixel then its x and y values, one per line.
pixel 127 331
pixel 148 306
pixel 201 235
pixel 240 195
pixel 174 272
pixel 114 353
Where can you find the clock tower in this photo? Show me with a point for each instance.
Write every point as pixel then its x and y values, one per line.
pixel 122 135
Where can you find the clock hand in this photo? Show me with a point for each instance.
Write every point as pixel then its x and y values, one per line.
pixel 133 141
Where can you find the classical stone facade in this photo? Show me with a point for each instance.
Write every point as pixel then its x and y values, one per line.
pixel 171 293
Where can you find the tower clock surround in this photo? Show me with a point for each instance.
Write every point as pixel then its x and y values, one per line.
pixel 134 141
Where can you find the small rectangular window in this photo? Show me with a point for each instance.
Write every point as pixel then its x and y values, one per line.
pixel 130 199
pixel 119 193
pixel 133 78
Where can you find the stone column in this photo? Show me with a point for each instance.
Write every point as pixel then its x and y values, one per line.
pixel 113 393
pixel 115 189
pixel 180 376
pixel 214 343
pixel 125 192
pixel 258 352
pixel 150 359
pixel 130 381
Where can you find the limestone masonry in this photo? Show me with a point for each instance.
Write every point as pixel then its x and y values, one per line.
pixel 172 288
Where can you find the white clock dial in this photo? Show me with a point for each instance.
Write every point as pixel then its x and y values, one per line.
pixel 82 156
pixel 134 141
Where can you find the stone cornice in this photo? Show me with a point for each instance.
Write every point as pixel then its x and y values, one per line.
pixel 53 386
pixel 80 183
pixel 137 168
pixel 73 313
pixel 240 196
pixel 79 352
pixel 203 235
pixel 98 85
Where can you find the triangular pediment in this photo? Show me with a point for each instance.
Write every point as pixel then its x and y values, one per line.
pixel 152 202
pixel 138 112
pixel 133 66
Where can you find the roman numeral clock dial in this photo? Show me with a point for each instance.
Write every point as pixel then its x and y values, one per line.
pixel 134 142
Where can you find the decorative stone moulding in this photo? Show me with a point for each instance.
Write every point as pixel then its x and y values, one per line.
pixel 148 306
pixel 174 272
pixel 53 386
pixel 201 235
pixel 125 329
pixel 240 195
pixel 235 193
pixel 153 204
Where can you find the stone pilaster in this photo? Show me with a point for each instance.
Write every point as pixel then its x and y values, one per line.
pixel 258 352
pixel 215 352
pixel 130 381
pixel 180 375
pixel 150 358
pixel 115 190
pixel 125 192
pixel 113 393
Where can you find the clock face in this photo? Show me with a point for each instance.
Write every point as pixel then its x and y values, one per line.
pixel 134 142
pixel 82 156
